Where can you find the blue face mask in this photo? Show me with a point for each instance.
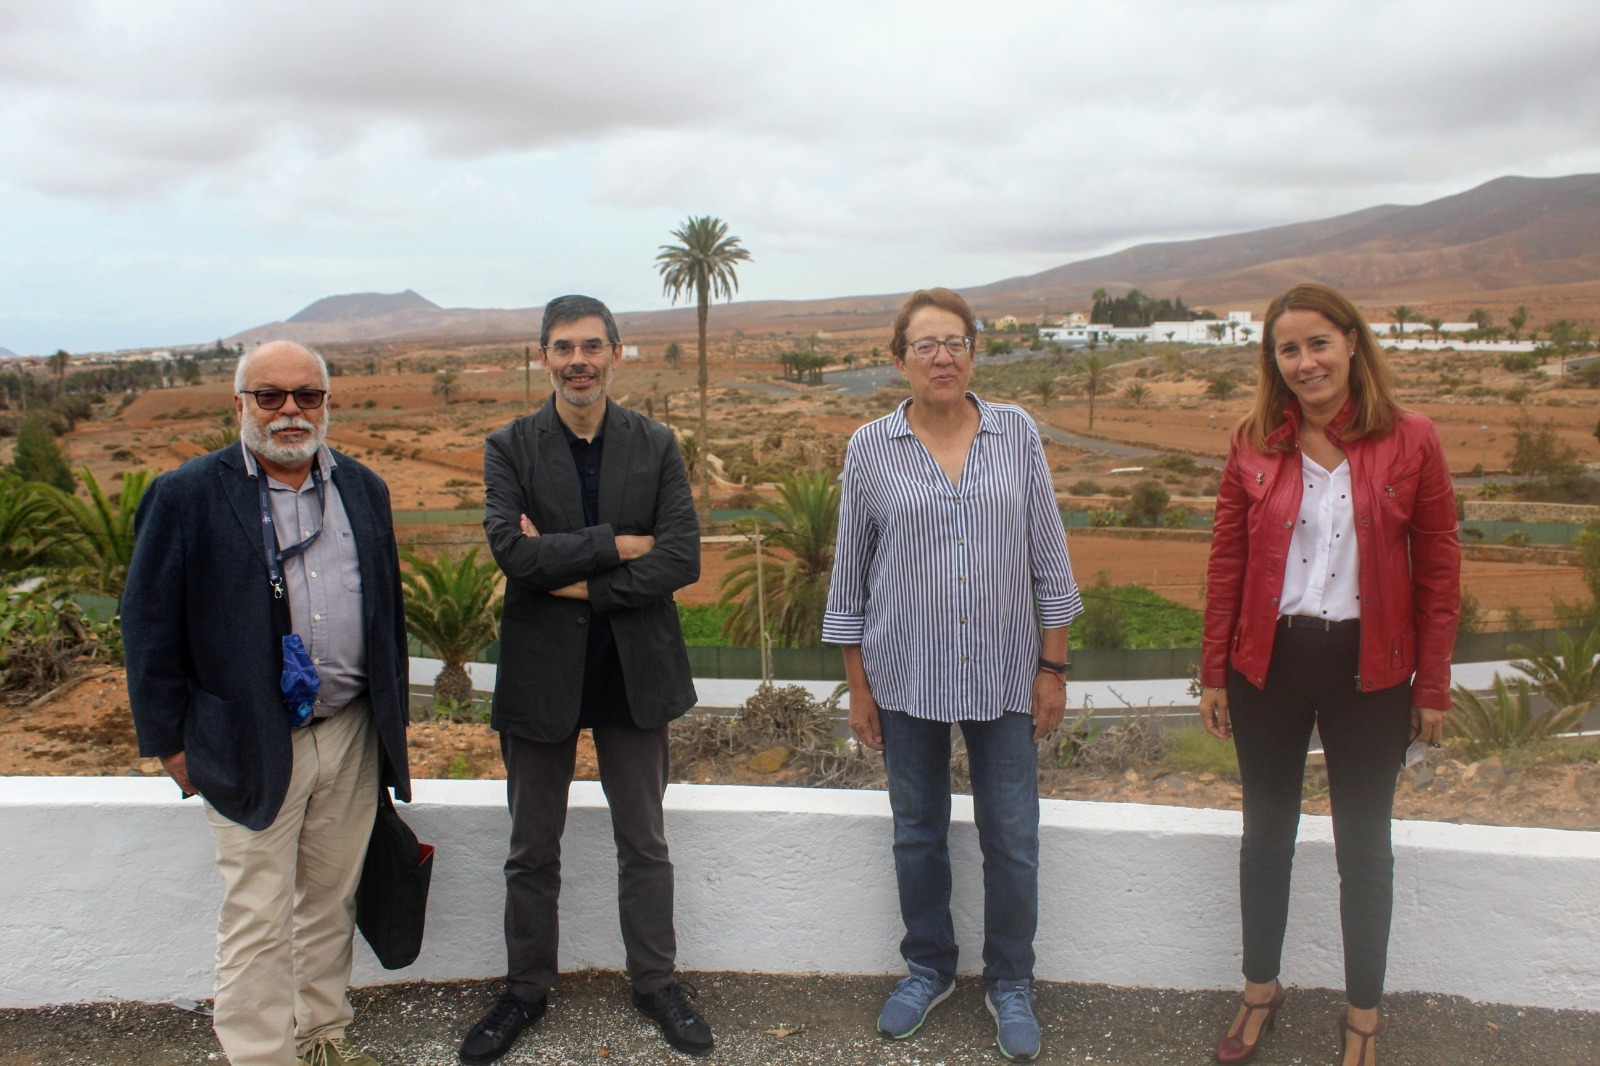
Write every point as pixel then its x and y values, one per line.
pixel 300 683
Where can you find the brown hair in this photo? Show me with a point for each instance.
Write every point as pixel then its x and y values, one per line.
pixel 1372 384
pixel 944 300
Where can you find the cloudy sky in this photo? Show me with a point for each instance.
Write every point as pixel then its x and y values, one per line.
pixel 172 171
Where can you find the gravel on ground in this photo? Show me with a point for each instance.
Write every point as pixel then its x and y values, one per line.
pixel 765 1020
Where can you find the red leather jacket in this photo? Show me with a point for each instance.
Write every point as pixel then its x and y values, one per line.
pixel 1406 534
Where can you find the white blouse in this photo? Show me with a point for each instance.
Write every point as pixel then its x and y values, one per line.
pixel 1321 579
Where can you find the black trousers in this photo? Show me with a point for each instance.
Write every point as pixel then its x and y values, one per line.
pixel 1312 682
pixel 633 773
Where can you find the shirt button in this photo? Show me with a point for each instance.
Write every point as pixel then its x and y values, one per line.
pixel 963 619
pixel 958 501
pixel 316 618
pixel 962 579
pixel 961 540
pixel 313 573
pixel 317 661
pixel 963 658
pixel 305 532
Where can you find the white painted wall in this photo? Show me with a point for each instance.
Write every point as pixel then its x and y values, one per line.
pixel 110 893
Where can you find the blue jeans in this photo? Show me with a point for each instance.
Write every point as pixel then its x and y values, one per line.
pixel 1005 794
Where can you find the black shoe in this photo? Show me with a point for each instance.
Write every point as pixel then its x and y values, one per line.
pixel 498 1030
pixel 668 1006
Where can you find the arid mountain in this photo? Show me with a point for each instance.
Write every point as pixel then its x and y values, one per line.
pixel 1532 241
pixel 1512 233
pixel 363 305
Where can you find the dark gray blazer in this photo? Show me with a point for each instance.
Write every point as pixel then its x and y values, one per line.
pixel 203 638
pixel 528 469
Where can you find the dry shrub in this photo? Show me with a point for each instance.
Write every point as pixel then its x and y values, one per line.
pixel 1138 740
pixel 45 643
pixel 787 717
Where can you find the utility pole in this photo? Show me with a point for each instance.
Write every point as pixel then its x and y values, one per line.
pixel 527 377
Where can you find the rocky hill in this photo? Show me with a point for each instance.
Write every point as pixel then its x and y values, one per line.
pixel 363 305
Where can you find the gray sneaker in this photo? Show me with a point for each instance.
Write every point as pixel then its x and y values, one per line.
pixel 917 993
pixel 1016 1030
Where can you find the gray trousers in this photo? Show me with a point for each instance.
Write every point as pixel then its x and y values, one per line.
pixel 633 773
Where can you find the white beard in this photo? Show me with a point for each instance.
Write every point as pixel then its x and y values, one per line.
pixel 258 438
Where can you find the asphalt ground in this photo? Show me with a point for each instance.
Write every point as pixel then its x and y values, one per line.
pixel 763 1020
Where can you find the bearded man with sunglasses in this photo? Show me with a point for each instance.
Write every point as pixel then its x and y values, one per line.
pixel 588 512
pixel 272 552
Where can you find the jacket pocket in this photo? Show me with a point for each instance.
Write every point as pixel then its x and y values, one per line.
pixel 217 735
pixel 1398 490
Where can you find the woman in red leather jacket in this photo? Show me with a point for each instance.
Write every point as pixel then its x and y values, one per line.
pixel 1332 596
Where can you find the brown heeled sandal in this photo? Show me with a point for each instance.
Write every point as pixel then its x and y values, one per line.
pixel 1346 1030
pixel 1231 1049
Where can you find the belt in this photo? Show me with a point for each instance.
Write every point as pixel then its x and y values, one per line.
pixel 1327 625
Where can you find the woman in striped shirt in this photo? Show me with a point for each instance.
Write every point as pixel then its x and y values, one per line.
pixel 951 558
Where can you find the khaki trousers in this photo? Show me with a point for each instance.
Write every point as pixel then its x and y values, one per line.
pixel 288 907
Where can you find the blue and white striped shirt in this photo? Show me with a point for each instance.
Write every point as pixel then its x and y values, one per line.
pixel 938 583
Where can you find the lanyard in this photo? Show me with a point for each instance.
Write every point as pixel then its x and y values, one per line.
pixel 269 533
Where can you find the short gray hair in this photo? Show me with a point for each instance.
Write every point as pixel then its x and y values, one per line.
pixel 239 376
pixel 565 309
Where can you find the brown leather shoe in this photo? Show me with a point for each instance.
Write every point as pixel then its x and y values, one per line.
pixel 1231 1049
pixel 1346 1031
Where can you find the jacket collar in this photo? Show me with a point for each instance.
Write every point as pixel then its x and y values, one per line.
pixel 1290 429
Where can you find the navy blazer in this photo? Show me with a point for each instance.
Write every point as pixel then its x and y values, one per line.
pixel 528 469
pixel 203 638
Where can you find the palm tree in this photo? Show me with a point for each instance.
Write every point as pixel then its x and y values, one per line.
pixel 444 385
pixel 1137 393
pixel 701 263
pixel 796 563
pixel 1045 386
pixel 1506 719
pixel 1517 320
pixel 1221 387
pixel 1437 325
pixel 452 609
pixel 1094 371
pixel 1568 675
pixel 58 366
pixel 225 435
pixel 94 539
pixel 26 526
pixel 1402 315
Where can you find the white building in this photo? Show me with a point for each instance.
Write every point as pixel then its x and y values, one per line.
pixel 1238 328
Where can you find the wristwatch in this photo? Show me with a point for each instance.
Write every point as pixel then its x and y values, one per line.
pixel 1064 669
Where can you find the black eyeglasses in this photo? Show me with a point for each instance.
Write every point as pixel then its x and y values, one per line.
pixel 592 347
pixel 928 347
pixel 272 399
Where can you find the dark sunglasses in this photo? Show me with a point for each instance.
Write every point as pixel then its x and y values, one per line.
pixel 272 399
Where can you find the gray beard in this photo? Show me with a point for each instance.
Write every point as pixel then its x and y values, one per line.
pixel 258 438
pixel 583 401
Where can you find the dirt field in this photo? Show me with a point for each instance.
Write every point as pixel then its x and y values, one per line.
pixel 87 732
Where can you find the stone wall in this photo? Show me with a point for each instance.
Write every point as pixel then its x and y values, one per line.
pixel 1520 511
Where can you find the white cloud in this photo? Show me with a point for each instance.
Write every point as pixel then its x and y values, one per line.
pixel 500 150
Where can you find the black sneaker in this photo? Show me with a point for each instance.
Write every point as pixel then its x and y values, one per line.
pixel 683 1028
pixel 498 1030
